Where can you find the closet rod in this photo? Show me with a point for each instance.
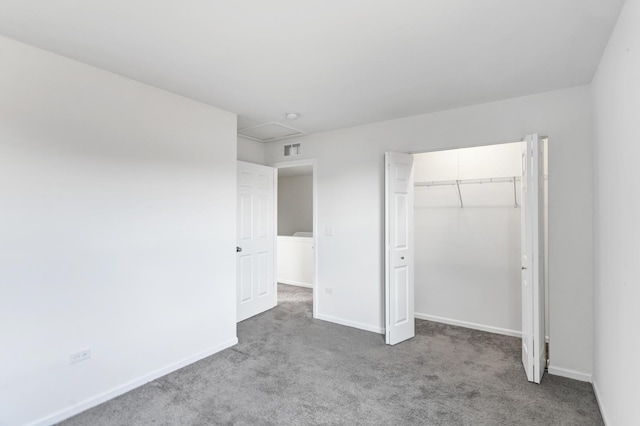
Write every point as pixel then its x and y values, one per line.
pixel 459 182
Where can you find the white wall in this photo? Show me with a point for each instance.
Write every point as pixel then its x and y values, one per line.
pixel 295 204
pixel 250 151
pixel 616 90
pixel 467 260
pixel 114 233
pixel 350 205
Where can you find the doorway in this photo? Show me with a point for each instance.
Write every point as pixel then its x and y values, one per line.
pixel 296 252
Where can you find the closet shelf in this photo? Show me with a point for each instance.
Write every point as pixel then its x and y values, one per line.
pixel 458 182
pixel 508 179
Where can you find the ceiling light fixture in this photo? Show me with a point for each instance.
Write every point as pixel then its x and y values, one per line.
pixel 292 116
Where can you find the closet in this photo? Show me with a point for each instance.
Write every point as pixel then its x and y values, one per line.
pixel 467 237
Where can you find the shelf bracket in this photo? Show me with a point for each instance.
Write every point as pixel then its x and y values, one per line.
pixel 459 193
pixel 515 196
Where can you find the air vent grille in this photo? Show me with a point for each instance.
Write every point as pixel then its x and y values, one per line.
pixel 292 149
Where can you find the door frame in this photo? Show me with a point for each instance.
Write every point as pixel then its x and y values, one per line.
pixel 294 163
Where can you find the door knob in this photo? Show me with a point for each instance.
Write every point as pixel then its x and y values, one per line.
pixel 238 249
pixel 523 268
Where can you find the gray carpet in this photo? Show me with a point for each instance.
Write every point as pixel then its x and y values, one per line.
pixel 289 369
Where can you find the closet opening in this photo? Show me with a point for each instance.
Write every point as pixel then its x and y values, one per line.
pixel 295 220
pixel 468 237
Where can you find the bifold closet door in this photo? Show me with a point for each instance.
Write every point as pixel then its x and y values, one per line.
pixel 532 230
pixel 399 290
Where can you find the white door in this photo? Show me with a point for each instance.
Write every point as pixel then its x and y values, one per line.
pixel 399 312
pixel 532 232
pixel 256 286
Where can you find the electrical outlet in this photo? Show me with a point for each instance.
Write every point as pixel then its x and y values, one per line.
pixel 79 356
pixel 328 290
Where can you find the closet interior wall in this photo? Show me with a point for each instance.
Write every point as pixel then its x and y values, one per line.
pixel 467 237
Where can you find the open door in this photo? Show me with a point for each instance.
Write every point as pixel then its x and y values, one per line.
pixel 399 307
pixel 256 287
pixel 532 230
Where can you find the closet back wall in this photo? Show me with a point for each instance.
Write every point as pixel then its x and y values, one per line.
pixel 468 259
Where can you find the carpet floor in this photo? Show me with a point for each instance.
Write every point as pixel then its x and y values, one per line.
pixel 289 369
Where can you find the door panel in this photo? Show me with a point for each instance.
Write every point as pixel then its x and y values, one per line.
pixel 399 291
pixel 264 216
pixel 263 286
pixel 245 277
pixel 256 240
pixel 402 293
pixel 245 214
pixel 402 238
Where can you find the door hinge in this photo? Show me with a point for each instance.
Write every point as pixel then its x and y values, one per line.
pixel 546 354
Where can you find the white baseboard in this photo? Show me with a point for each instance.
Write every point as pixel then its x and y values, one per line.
pixel 353 324
pixel 571 374
pixel 466 324
pixel 296 283
pixel 126 387
pixel 602 411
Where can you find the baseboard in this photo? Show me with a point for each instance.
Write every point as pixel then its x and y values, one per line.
pixel 602 412
pixel 353 324
pixel 126 387
pixel 296 283
pixel 466 324
pixel 571 374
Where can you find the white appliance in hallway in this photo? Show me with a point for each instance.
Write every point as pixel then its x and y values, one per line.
pixel 295 259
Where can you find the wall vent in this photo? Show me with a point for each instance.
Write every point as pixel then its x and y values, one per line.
pixel 269 132
pixel 292 149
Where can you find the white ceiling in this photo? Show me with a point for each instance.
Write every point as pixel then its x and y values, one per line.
pixel 338 63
